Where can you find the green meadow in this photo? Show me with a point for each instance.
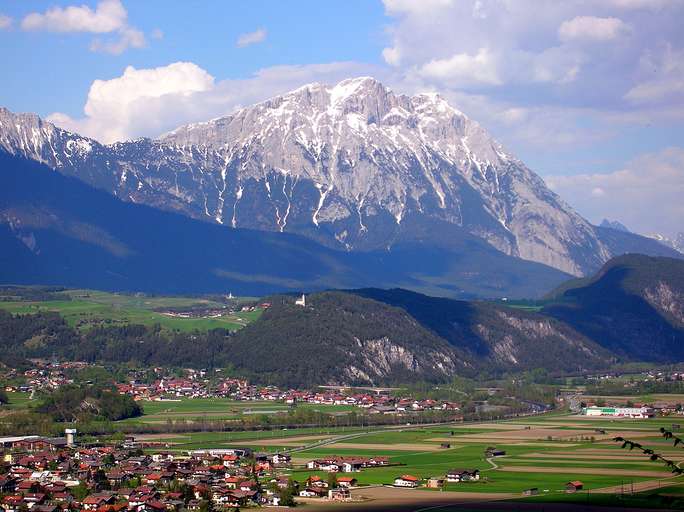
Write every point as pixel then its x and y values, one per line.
pixel 418 451
pixel 88 308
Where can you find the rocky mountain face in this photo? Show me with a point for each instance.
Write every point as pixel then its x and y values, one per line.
pixel 353 166
pixel 496 337
pixel 614 224
pixel 676 243
pixel 56 229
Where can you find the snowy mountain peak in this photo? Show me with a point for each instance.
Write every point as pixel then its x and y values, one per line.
pixel 27 135
pixel 676 243
pixel 352 165
pixel 324 118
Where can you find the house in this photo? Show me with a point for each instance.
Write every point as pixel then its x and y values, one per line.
pixel 532 491
pixel 494 452
pixel 462 475
pixel 230 460
pixel 406 481
pixel 346 481
pixel 339 494
pixel 316 481
pixel 351 466
pixel 445 446
pixel 435 483
pixel 281 458
pixel 323 465
pixel 574 486
pixel 95 501
pixel 313 492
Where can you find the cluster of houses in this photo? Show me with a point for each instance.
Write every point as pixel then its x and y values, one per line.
pixel 55 475
pixel 167 386
pixel 346 464
pixel 43 375
pixel 196 385
pixel 373 402
pixel 193 385
pixel 453 476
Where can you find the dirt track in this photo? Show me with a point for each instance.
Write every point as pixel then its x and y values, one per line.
pixel 405 500
pixel 390 499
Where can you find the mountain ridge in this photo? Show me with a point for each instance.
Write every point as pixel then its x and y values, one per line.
pixel 352 166
pixel 55 229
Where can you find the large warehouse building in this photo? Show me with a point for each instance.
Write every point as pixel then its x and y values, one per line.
pixel 619 412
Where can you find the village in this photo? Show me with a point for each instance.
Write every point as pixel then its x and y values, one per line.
pixel 49 376
pixel 58 474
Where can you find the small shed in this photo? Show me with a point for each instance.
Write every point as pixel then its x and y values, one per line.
pixel 532 491
pixel 574 486
pixel 445 446
pixel 494 452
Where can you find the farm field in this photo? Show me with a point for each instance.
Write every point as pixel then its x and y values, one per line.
pixel 531 460
pixel 197 409
pixel 605 469
pixel 88 308
pixel 18 401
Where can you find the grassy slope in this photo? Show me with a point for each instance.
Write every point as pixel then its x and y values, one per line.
pixel 90 307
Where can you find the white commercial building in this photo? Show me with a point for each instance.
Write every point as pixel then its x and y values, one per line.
pixel 619 412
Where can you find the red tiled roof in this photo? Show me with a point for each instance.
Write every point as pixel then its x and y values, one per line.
pixel 410 478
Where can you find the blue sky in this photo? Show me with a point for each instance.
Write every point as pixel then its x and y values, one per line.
pixel 589 93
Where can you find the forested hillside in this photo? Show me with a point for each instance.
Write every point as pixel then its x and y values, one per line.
pixel 497 337
pixel 634 306
pixel 633 310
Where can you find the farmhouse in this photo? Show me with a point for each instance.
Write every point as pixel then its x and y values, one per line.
pixel 346 481
pixel 313 492
pixel 462 475
pixel 406 481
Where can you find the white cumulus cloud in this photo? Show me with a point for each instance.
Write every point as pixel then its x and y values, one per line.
pixel 463 68
pixel 140 101
pixel 109 17
pixel 646 195
pixel 148 102
pixel 592 28
pixel 250 38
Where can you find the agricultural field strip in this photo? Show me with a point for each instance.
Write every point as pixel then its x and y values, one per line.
pixel 585 470
pixel 288 441
pixel 627 464
pixel 591 452
pixel 552 455
pixel 647 485
pixel 394 446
